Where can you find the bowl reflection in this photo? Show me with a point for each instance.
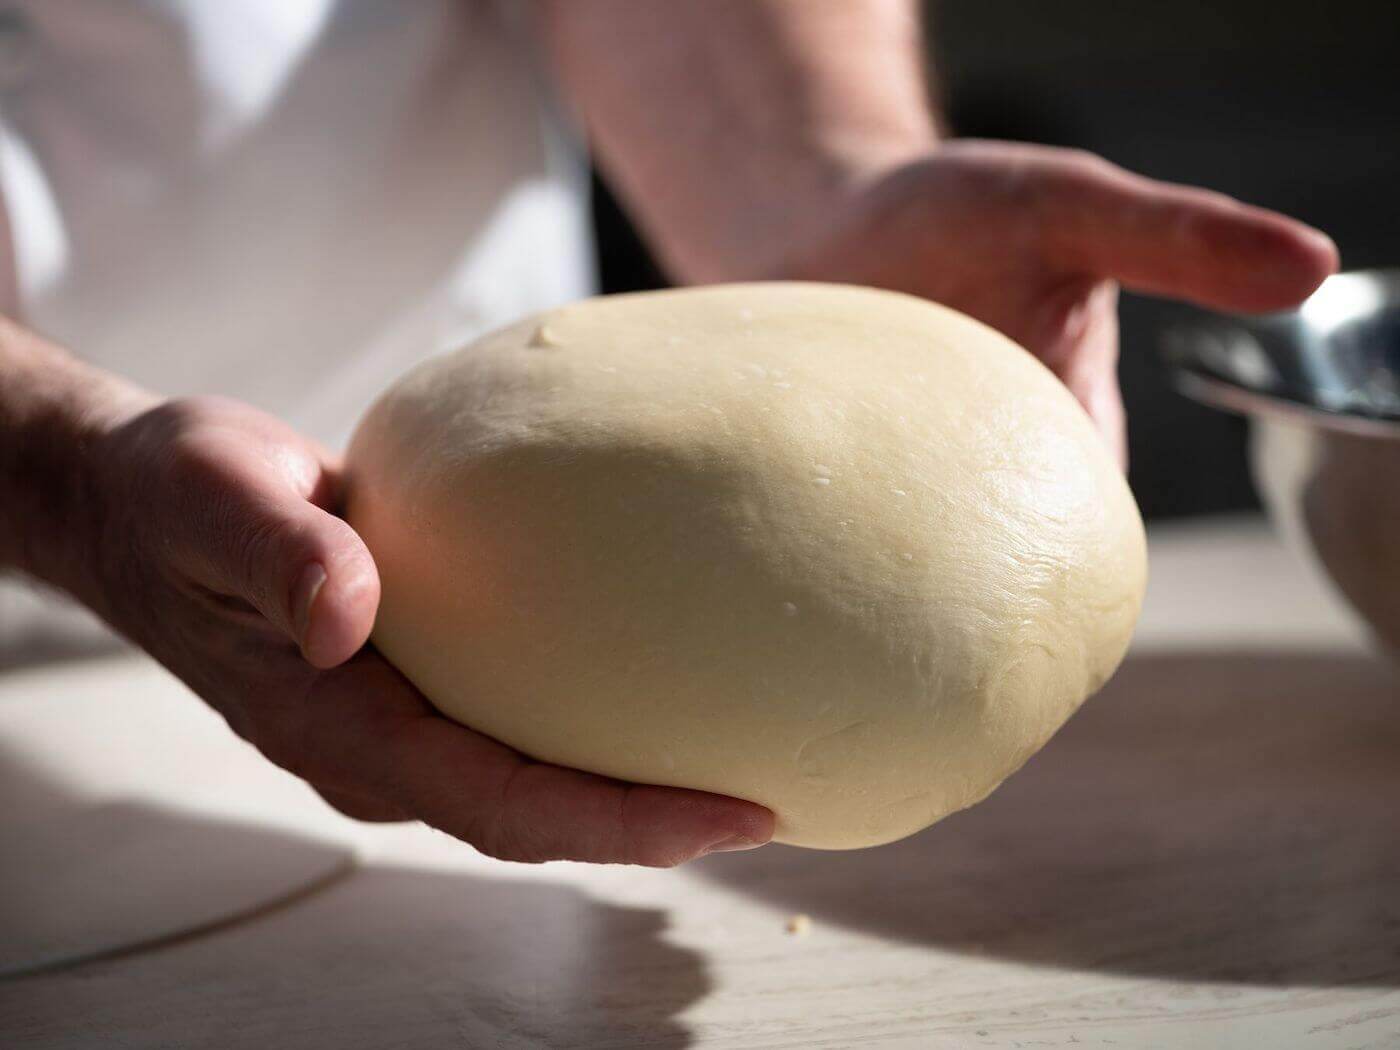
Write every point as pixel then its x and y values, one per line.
pixel 1321 386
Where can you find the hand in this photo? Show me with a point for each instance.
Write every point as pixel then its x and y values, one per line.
pixel 1034 242
pixel 220 555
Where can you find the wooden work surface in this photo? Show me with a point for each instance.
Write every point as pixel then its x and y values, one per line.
pixel 1207 856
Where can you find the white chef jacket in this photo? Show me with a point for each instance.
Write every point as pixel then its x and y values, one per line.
pixel 288 202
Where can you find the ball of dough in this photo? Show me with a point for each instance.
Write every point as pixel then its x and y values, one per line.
pixel 841 552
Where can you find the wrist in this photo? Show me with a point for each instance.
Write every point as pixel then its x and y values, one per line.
pixel 55 413
pixel 806 190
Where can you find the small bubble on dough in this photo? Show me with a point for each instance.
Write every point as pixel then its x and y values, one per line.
pixel 545 338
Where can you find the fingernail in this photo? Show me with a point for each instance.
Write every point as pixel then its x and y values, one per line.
pixel 731 845
pixel 304 597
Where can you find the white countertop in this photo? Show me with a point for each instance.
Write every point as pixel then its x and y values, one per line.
pixel 1207 856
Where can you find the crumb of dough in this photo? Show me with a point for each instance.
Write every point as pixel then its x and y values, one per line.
pixel 799 925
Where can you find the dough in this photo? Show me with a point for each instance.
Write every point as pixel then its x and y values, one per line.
pixel 842 552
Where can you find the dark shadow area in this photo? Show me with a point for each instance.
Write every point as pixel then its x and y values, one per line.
pixel 1279 103
pixel 84 879
pixel 39 625
pixel 1212 816
pixel 35 651
pixel 381 956
pixel 386 957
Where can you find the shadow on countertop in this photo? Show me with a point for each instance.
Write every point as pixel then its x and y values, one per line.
pixel 1215 816
pixel 382 956
pixel 387 957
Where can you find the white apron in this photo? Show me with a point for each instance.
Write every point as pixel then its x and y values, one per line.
pixel 288 202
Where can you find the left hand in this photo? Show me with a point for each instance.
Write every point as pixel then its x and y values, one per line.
pixel 210 540
pixel 1034 241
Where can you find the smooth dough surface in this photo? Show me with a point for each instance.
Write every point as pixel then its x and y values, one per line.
pixel 842 552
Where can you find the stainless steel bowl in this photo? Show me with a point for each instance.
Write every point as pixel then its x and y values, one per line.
pixel 1321 387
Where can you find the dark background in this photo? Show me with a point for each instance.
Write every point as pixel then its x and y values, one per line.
pixel 1287 105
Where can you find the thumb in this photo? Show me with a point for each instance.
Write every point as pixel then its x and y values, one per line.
pixel 318 569
pixel 306 571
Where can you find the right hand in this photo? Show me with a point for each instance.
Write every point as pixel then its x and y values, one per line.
pixel 219 553
pixel 1033 241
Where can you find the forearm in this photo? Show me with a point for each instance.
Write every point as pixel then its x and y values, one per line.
pixel 52 409
pixel 728 125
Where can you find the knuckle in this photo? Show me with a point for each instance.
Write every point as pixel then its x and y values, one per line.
pixel 335 534
pixel 635 845
pixel 198 486
pixel 357 807
pixel 502 830
pixel 488 834
pixel 256 545
pixel 655 855
pixel 268 551
pixel 1086 161
pixel 501 846
pixel 277 545
pixel 187 463
pixel 172 431
pixel 1063 182
pixel 1073 166
pixel 653 852
pixel 155 449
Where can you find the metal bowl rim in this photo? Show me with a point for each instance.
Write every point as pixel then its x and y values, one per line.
pixel 1220 394
pixel 1233 397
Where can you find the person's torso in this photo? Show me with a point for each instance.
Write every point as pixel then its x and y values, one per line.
pixel 287 201
pixel 284 201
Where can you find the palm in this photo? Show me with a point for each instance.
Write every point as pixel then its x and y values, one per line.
pixel 1034 241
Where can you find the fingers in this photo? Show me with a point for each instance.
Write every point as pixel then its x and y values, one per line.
pixel 315 567
pixel 1103 399
pixel 1174 240
pixel 305 570
pixel 374 731
pixel 1074 331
